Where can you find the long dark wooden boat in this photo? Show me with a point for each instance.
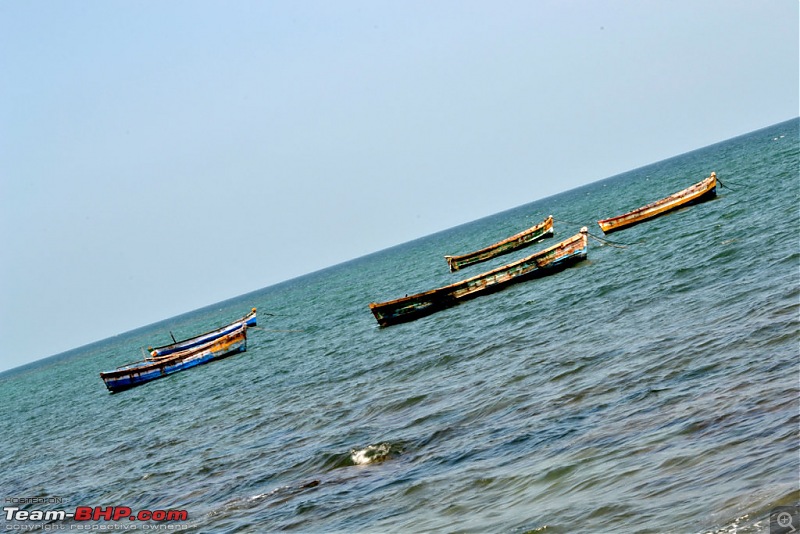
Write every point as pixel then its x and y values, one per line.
pixel 699 192
pixel 547 261
pixel 523 239
pixel 202 339
pixel 154 366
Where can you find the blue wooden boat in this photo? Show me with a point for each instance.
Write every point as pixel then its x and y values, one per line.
pixel 202 339
pixel 155 366
pixel 547 261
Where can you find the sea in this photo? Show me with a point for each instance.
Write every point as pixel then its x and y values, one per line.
pixel 653 387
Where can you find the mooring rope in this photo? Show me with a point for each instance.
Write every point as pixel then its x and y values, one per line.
pixel 725 186
pixel 271 329
pixel 277 314
pixel 615 244
pixel 568 222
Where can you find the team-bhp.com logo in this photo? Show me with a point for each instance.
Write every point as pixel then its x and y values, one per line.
pixel 94 513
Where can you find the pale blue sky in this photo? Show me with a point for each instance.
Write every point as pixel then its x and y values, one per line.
pixel 307 133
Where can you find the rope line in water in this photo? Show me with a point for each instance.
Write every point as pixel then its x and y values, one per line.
pixel 271 329
pixel 725 186
pixel 614 244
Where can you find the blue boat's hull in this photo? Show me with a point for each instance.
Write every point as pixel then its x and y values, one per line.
pixel 154 368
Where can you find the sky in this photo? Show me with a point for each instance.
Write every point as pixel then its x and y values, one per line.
pixel 137 136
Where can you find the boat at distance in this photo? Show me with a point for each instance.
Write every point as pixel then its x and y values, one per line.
pixel 523 239
pixel 547 261
pixel 154 366
pixel 699 192
pixel 202 339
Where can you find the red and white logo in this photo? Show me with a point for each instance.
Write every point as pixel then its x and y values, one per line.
pixel 95 513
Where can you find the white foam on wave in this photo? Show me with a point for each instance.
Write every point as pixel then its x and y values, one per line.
pixel 371 454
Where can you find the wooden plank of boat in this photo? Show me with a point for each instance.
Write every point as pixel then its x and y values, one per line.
pixel 699 192
pixel 155 366
pixel 523 239
pixel 547 261
pixel 201 339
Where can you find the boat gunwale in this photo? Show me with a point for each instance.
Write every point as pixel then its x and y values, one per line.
pixel 211 334
pixel 175 357
pixel 546 225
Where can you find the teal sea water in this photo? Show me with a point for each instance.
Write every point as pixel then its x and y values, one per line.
pixel 650 388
